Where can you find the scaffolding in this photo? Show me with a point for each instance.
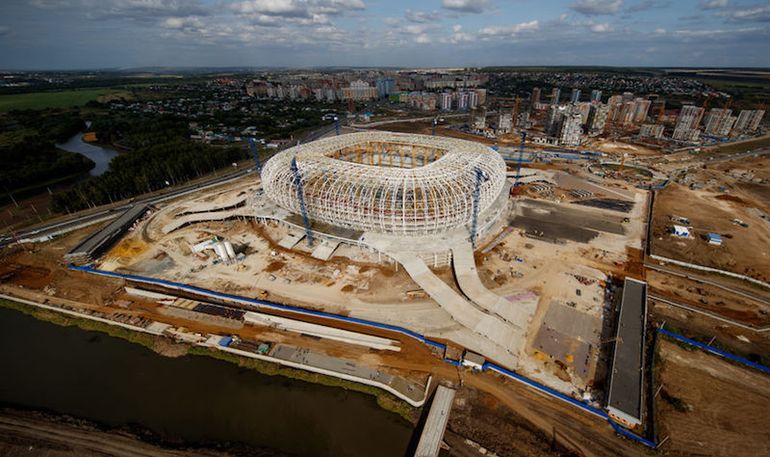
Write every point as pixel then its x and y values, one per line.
pixel 387 182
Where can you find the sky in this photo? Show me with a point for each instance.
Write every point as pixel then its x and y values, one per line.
pixel 93 34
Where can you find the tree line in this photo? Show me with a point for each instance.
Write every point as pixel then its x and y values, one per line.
pixel 159 154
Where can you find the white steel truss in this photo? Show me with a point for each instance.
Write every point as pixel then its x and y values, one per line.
pixel 387 182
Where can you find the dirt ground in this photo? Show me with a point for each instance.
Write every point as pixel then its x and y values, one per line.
pixel 744 250
pixel 480 417
pixel 749 177
pixel 740 341
pixel 710 298
pixel 709 406
pixel 618 148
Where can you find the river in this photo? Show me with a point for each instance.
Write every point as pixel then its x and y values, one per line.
pixel 193 399
pixel 101 156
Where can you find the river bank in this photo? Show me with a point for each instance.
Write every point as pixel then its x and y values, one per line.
pixel 56 435
pixel 167 347
pixel 188 400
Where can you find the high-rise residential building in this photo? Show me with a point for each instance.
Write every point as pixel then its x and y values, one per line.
pixel 385 87
pixel 597 119
pixel 624 115
pixel 641 108
pixel 570 131
pixel 689 117
pixel 596 95
pixel 462 101
pixel 473 99
pixel 359 90
pixel 658 107
pixel 555 94
pixel 505 123
pixel 748 121
pixel 715 121
pixel 651 131
pixel 628 96
pixel 445 101
pixel 686 134
pixel 575 96
pixel 756 119
pixel 554 118
pixel 583 108
pixel 482 94
pixel 535 98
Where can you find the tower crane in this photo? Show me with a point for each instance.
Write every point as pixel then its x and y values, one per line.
pixel 301 198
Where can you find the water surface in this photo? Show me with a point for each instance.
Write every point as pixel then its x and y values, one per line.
pixel 193 398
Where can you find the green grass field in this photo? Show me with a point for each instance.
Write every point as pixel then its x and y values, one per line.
pixel 62 99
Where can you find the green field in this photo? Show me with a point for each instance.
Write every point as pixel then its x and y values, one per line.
pixel 61 99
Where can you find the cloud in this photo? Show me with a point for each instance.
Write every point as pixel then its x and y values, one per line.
pixel 713 4
pixel 465 6
pixel 421 16
pixel 600 28
pixel 182 22
pixel 4 30
pixel 646 5
pixel 295 8
pixel 143 10
pixel 749 14
pixel 597 7
pixel 422 38
pixel 510 30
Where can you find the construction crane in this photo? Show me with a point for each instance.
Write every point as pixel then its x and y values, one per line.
pixel 337 124
pixel 622 162
pixel 435 121
pixel 480 178
pixel 520 159
pixel 255 154
pixel 729 102
pixel 301 198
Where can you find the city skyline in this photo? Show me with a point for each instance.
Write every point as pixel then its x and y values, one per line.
pixel 82 34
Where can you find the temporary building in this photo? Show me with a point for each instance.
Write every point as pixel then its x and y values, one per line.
pixel 679 230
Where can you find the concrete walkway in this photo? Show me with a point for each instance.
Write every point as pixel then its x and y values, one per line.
pixel 468 278
pixel 438 417
pixel 497 339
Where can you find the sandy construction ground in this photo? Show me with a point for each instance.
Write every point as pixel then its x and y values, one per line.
pixel 745 250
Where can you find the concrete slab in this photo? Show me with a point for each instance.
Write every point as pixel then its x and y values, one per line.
pixel 325 249
pixel 321 331
pixel 468 278
pixel 291 240
pixel 496 339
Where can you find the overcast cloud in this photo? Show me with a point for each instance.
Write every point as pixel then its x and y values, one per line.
pixel 75 34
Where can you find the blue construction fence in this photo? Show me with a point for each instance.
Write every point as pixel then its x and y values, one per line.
pixel 394 328
pixel 715 351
